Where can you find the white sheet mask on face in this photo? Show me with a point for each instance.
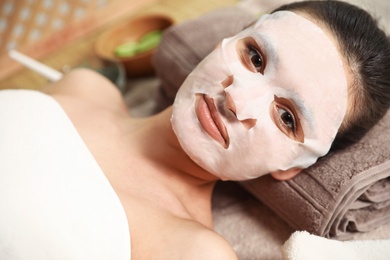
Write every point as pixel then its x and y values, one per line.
pixel 238 129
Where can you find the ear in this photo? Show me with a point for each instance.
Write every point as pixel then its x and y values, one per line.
pixel 286 175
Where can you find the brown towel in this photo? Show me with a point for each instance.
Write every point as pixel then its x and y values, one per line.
pixel 346 192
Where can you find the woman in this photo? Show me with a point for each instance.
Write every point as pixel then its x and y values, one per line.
pixel 252 107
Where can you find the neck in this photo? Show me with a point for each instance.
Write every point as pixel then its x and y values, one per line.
pixel 176 174
pixel 169 151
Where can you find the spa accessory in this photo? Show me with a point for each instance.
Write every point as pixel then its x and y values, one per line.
pixel 36 66
pixel 132 29
pixel 304 246
pixel 114 71
pixel 249 102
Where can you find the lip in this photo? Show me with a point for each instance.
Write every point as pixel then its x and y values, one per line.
pixel 210 119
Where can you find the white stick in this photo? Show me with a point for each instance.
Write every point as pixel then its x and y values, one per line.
pixel 36 66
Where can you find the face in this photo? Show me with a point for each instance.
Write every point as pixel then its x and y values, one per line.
pixel 268 99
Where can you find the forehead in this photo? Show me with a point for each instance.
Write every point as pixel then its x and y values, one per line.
pixel 304 65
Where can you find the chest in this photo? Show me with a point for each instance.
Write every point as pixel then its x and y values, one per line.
pixel 156 233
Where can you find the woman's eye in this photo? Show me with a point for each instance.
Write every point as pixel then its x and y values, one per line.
pixel 284 115
pixel 256 60
pixel 287 119
pixel 251 55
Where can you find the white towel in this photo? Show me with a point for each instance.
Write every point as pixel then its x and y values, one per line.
pixel 304 246
pixel 55 202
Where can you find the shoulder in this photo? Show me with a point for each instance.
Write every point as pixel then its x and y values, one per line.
pixel 207 244
pixel 87 85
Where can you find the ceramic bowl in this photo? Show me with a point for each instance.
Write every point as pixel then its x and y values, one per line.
pixel 132 30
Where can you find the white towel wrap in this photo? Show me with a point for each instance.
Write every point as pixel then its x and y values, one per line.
pixel 55 201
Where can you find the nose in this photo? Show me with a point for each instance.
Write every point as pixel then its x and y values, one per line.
pixel 248 122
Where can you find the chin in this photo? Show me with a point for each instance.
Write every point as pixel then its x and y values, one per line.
pixel 218 161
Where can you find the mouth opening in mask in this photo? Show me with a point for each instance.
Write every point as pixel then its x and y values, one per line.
pixel 210 119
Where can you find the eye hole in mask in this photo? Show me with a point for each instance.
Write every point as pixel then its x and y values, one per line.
pixel 251 55
pixel 286 119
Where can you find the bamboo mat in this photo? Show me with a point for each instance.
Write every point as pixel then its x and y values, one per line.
pixel 77 46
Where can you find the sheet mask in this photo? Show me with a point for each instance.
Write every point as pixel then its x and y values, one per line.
pixel 302 66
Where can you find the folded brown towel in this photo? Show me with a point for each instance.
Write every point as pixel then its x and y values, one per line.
pixel 346 192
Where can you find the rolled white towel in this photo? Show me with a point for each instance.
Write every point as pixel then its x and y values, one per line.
pixel 304 246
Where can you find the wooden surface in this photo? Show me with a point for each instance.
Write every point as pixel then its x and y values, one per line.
pixel 77 46
pixel 43 21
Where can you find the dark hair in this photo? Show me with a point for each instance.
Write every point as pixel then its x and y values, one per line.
pixel 367 50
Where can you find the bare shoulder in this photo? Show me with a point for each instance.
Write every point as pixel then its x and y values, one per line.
pixel 207 244
pixel 87 85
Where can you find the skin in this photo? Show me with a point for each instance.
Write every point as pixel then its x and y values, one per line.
pixel 155 180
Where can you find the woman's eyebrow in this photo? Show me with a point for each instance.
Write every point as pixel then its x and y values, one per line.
pixel 268 47
pixel 301 107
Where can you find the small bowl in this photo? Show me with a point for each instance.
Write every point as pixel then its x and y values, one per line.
pixel 132 30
